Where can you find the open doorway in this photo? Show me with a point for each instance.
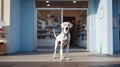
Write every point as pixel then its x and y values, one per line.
pixel 72 30
pixel 79 31
pixel 49 18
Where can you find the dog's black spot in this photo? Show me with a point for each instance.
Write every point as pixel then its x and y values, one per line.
pixel 59 42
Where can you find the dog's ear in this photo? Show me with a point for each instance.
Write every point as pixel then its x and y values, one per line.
pixel 71 25
pixel 62 25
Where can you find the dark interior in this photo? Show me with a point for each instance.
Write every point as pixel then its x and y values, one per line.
pixel 62 4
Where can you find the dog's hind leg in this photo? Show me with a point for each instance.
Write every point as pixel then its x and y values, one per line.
pixel 61 51
pixel 55 49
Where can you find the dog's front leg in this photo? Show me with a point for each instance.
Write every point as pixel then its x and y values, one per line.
pixel 67 51
pixel 61 51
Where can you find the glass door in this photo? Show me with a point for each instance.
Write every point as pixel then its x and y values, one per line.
pixel 47 20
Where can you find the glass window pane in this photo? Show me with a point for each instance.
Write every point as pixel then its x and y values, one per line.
pixel 47 20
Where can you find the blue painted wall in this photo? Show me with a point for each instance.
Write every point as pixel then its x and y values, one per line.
pixel 116 46
pixel 27 26
pixel 14 33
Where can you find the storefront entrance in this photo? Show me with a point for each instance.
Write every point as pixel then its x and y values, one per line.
pixel 51 18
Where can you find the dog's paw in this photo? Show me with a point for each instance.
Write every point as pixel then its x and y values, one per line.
pixel 61 59
pixel 54 57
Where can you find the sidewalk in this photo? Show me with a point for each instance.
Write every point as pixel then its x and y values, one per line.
pixel 47 57
pixel 44 59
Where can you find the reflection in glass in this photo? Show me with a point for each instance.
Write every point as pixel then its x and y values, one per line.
pixel 47 20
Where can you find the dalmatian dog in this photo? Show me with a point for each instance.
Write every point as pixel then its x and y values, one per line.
pixel 63 39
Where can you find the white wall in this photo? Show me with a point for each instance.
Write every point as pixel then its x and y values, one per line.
pixel 92 25
pixel 100 34
pixel 0 10
pixel 104 27
pixel 110 26
pixel 7 18
pixel 7 12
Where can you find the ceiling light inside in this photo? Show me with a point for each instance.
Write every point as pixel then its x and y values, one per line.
pixel 74 1
pixel 48 5
pixel 47 1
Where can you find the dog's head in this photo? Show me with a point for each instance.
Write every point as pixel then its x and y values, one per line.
pixel 66 26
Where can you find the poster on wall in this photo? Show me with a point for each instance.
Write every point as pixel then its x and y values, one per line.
pixel 101 13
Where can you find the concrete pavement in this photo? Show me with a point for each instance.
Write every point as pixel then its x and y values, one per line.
pixel 44 59
pixel 47 57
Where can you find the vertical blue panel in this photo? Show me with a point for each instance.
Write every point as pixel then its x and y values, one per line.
pixel 116 46
pixel 14 35
pixel 27 26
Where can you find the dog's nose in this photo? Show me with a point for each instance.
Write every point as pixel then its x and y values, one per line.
pixel 67 28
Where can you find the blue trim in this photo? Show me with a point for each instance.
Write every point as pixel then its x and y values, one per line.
pixel 116 46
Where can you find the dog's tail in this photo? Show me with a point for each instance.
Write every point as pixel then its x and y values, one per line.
pixel 54 33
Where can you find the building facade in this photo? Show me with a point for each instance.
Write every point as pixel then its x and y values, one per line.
pixel 102 25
